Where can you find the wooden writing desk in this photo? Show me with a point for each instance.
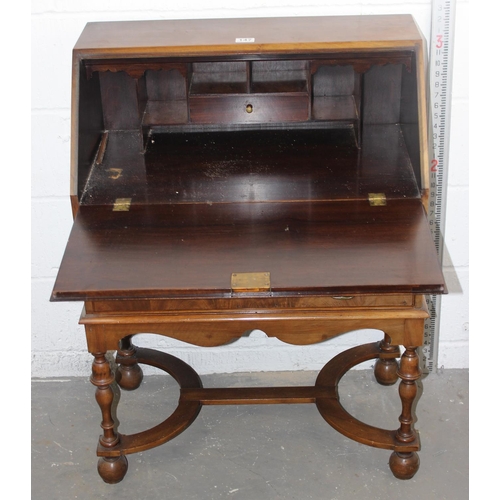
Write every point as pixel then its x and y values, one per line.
pixel 230 175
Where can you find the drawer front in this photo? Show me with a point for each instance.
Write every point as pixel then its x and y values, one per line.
pixel 262 303
pixel 249 108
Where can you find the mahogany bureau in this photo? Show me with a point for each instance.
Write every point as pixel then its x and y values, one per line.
pixel 241 174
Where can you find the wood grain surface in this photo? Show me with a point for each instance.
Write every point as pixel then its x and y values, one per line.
pixel 170 250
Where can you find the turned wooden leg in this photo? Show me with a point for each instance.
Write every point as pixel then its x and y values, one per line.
pixel 405 465
pixel 129 374
pixel 112 470
pixel 386 366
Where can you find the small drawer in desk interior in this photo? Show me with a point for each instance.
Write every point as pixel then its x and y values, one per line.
pixel 248 108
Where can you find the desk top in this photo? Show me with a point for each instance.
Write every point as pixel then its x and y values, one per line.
pixel 199 36
pixel 192 249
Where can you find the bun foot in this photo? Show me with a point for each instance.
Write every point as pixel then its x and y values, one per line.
pixel 129 377
pixel 113 469
pixel 404 465
pixel 386 371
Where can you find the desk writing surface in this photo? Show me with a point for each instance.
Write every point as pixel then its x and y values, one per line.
pixel 192 249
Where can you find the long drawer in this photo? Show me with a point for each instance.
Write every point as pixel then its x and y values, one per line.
pixel 256 303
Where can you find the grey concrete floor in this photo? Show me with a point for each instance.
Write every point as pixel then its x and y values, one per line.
pixel 251 452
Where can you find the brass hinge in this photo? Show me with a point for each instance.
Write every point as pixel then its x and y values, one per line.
pixel 122 204
pixel 377 199
pixel 251 282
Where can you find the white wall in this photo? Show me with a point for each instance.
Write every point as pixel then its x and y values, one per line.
pixel 58 343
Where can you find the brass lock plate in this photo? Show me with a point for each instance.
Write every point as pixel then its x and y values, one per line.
pixel 251 282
